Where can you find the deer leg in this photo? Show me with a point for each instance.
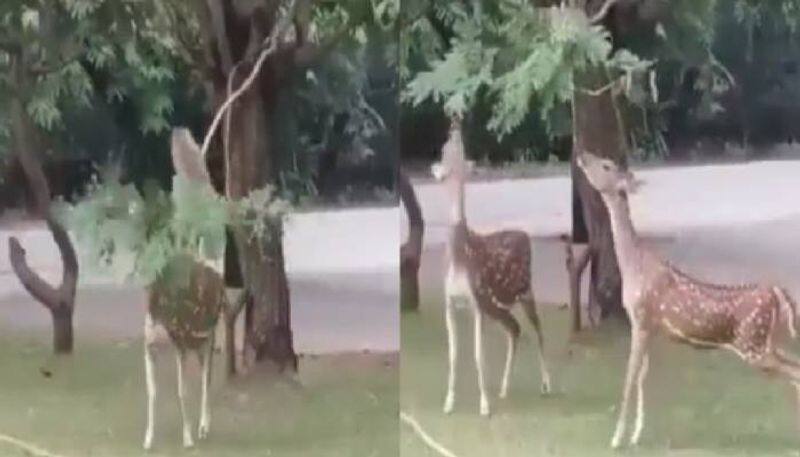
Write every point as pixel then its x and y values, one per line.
pixel 150 379
pixel 205 413
pixel 575 268
pixel 479 361
pixel 452 347
pixel 187 431
pixel 635 360
pixel 640 379
pixel 789 366
pixel 512 333
pixel 529 305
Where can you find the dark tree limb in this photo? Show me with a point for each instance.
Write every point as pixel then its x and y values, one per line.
pixel 575 269
pixel 411 250
pixel 60 301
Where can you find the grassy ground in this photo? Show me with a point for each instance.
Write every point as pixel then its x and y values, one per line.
pixel 699 403
pixel 92 404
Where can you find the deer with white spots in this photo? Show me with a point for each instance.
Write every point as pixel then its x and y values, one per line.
pixel 488 273
pixel 659 298
pixel 186 299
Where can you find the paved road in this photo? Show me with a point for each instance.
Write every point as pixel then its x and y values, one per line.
pixel 722 222
pixel 342 268
pixel 726 223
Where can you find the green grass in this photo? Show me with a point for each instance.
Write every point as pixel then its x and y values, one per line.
pixel 93 404
pixel 698 403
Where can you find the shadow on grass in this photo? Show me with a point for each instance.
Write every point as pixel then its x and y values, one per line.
pixel 92 404
pixel 698 403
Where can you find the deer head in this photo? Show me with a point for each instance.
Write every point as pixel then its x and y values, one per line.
pixel 606 176
pixel 453 166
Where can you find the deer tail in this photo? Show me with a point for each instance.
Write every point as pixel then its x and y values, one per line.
pixel 789 308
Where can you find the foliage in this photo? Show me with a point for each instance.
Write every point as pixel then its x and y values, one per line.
pixel 520 60
pixel 523 58
pixel 74 50
pixel 136 234
pixel 331 104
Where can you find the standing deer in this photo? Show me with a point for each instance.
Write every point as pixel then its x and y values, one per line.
pixel 660 298
pixel 488 273
pixel 186 299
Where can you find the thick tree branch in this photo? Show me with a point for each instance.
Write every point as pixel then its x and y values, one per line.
pixel 33 283
pixel 217 19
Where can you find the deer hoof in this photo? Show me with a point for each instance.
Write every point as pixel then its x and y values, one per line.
pixel 148 443
pixel 616 442
pixel 187 441
pixel 485 407
pixel 448 404
pixel 202 431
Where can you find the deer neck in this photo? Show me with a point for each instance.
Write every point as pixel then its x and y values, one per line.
pixel 626 241
pixel 458 230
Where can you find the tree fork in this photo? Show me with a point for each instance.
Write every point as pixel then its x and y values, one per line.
pixel 59 300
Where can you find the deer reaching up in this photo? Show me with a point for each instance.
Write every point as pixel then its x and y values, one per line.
pixel 186 299
pixel 660 298
pixel 487 273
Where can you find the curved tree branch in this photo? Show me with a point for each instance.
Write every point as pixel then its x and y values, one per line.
pixel 602 12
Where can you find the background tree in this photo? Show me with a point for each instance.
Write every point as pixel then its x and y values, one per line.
pixel 308 100
pixel 53 56
pixel 411 250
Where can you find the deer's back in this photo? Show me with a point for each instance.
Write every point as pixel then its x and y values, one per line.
pixel 187 301
pixel 499 266
pixel 715 314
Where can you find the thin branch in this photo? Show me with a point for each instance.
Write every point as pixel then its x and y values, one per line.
pixel 600 15
pixel 45 69
pixel 426 438
pixel 28 448
pixel 226 136
pixel 269 46
pixel 599 91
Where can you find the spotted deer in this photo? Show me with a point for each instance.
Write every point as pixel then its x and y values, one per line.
pixel 185 299
pixel 659 298
pixel 488 273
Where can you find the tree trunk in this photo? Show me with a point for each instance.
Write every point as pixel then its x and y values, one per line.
pixel 62 330
pixel 61 300
pixel 234 31
pixel 597 128
pixel 411 250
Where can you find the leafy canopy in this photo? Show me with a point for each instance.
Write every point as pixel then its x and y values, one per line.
pixel 518 56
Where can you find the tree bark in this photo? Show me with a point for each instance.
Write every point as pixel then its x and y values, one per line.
pixel 250 165
pixel 62 330
pixel 411 250
pixel 597 128
pixel 60 301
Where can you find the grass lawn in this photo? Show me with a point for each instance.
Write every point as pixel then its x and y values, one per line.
pixel 698 403
pixel 92 404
